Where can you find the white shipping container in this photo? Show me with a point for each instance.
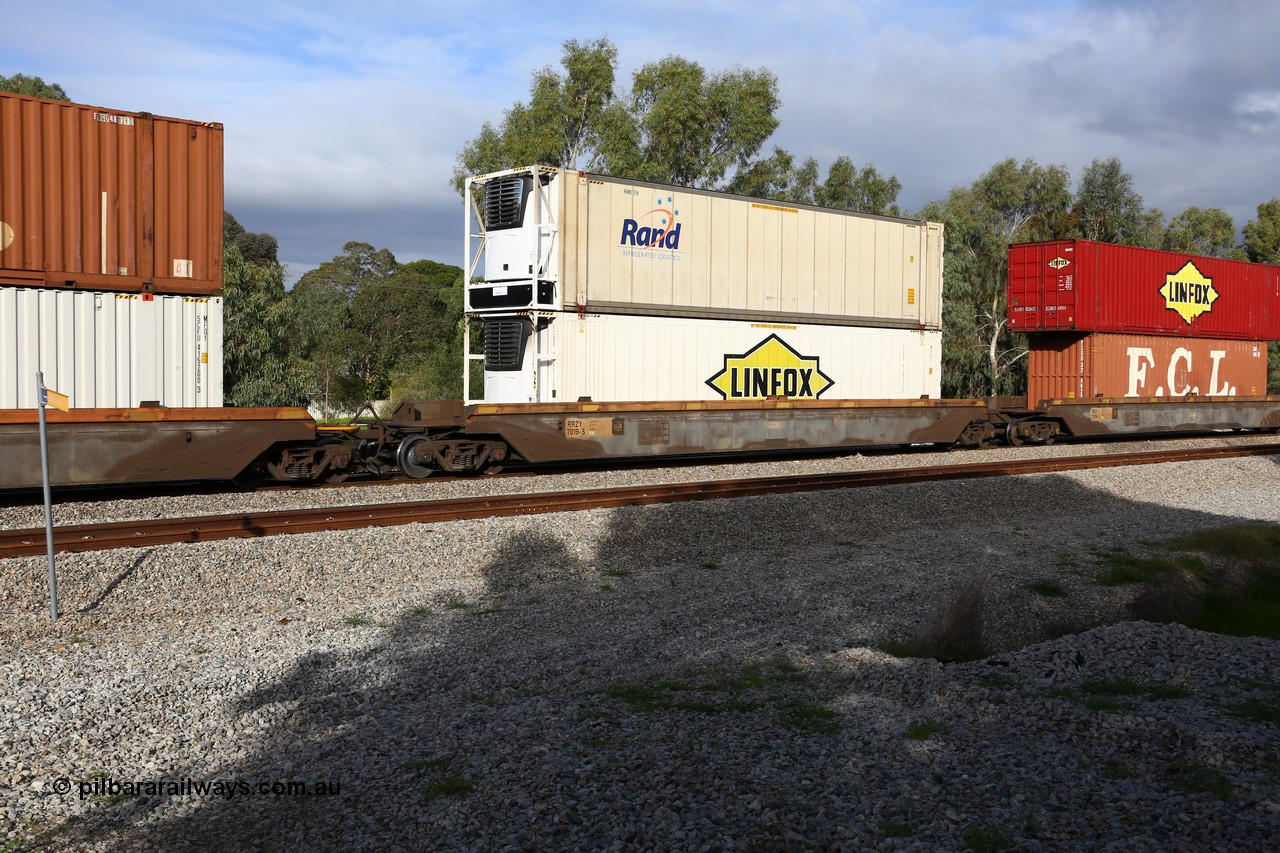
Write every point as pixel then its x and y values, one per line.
pixel 110 350
pixel 627 358
pixel 559 239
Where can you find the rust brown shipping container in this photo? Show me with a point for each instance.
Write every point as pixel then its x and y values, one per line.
pixel 1067 365
pixel 104 199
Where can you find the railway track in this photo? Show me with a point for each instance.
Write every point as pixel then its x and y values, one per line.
pixel 136 534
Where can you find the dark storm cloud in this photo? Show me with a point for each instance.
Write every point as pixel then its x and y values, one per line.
pixel 309 237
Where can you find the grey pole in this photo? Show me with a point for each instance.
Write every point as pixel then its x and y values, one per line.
pixel 48 500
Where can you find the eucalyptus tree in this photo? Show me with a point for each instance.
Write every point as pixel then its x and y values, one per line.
pixel 1262 235
pixel 1108 209
pixel 846 187
pixel 682 125
pixel 21 84
pixel 562 122
pixel 367 322
pixel 1203 231
pixel 1262 245
pixel 677 123
pixel 1011 202
pixel 258 369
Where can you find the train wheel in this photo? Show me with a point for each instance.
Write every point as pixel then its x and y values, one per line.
pixel 1013 434
pixel 409 466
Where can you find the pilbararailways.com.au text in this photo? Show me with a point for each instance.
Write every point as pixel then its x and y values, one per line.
pixel 108 786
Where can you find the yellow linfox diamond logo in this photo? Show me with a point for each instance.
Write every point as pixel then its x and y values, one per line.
pixel 770 369
pixel 1189 292
pixel 1059 263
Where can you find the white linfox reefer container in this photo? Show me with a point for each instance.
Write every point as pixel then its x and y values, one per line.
pixel 558 247
pixel 631 358
pixel 110 350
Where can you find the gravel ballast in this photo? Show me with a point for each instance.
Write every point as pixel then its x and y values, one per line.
pixel 698 676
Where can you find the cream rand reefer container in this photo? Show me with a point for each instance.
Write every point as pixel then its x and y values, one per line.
pixel 588 287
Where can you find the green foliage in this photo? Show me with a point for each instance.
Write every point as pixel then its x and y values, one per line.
pixel 1257 710
pixel 986 839
pixel 1262 235
pixel 255 248
pixel 1238 596
pixel 1197 231
pixel 956 633
pixel 1124 568
pixel 924 729
pixel 374 328
pixel 1119 687
pixel 1108 209
pixel 441 779
pixel 257 367
pixel 684 126
pixel 679 124
pixel 774 686
pixel 562 123
pixel 359 620
pixel 1047 587
pixel 1012 202
pixel 437 373
pixel 846 187
pixel 808 718
pixel 21 84
pixel 1273 367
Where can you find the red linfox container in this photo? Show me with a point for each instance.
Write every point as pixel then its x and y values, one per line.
pixel 108 200
pixel 1083 286
pixel 1067 365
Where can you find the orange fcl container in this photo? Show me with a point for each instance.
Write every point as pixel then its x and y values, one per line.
pixel 1066 365
pixel 100 199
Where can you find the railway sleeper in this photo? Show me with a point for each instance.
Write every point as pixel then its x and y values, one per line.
pixel 419 456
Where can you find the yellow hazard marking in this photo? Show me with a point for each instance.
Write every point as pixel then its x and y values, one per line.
pixel 759 206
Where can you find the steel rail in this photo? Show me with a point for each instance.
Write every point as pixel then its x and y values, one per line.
pixel 149 532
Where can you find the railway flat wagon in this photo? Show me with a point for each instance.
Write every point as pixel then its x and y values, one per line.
pixel 424 437
pixel 591 287
pixel 1085 286
pixel 145 445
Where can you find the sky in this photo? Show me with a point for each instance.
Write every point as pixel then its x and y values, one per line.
pixel 343 121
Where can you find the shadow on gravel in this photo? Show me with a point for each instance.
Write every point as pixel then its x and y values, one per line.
pixel 692 679
pixel 117 580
